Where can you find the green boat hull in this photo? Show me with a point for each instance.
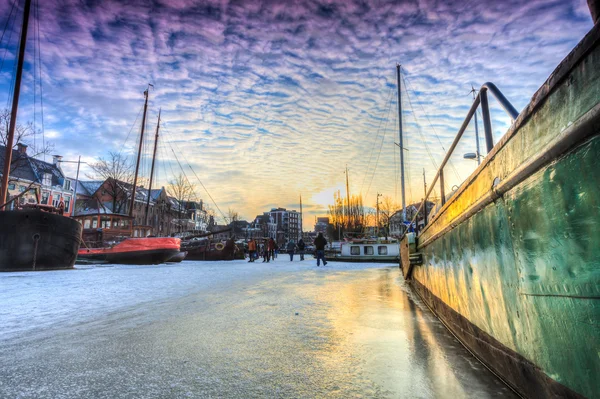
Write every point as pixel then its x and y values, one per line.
pixel 511 264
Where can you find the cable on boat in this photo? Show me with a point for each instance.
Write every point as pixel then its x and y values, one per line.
pixel 8 21
pixel 388 104
pixel 406 84
pixel 202 184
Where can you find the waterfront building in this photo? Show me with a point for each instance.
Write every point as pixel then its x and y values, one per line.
pixel 30 175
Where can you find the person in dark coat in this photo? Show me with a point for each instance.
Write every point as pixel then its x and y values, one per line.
pixel 301 247
pixel 320 243
pixel 291 248
pixel 271 247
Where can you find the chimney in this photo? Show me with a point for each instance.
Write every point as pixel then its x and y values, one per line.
pixel 56 159
pixel 22 148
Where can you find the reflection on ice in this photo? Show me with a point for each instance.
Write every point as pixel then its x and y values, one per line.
pixel 228 329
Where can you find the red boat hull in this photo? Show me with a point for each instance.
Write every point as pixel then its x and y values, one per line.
pixel 134 251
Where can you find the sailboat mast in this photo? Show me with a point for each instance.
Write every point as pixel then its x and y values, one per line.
pixel 301 216
pixel 152 169
pixel 15 104
pixel 401 143
pixel 347 198
pixel 137 165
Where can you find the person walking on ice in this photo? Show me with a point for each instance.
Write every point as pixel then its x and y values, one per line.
pixel 320 243
pixel 301 247
pixel 291 247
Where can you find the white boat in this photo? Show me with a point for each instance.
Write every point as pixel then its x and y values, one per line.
pixel 367 250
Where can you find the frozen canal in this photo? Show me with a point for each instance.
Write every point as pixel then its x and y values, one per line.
pixel 230 330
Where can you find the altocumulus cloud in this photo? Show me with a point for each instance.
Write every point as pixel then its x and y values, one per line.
pixel 267 101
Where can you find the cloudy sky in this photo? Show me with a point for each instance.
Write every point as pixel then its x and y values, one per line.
pixel 269 100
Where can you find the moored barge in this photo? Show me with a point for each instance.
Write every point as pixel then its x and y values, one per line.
pixel 511 263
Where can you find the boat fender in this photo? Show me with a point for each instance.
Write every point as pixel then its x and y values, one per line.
pixel 219 246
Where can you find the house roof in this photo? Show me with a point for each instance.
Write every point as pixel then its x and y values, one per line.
pixel 31 169
pixel 88 188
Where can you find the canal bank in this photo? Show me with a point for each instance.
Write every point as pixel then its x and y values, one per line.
pixel 229 329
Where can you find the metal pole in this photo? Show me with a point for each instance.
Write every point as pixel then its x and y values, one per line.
pixel 442 193
pixel 15 105
pixel 377 217
pixel 300 215
pixel 487 121
pixel 401 143
pixel 76 185
pixel 424 200
pixel 137 165
pixel 347 197
pixel 476 130
pixel 152 170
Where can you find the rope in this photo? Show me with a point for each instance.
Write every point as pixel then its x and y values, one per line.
pixel 388 102
pixel 8 20
pixel 380 147
pixel 432 128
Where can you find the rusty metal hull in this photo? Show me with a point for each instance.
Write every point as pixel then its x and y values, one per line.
pixel 511 264
pixel 34 240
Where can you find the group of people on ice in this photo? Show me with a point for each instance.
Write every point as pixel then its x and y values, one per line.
pixel 268 249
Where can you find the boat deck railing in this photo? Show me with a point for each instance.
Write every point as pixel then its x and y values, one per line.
pixel 480 99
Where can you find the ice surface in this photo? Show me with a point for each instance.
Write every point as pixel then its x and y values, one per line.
pixel 228 330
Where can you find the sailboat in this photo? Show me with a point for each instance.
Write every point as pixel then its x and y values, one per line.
pixel 510 262
pixel 36 237
pixel 113 237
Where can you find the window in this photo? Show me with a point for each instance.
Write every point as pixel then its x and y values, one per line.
pixel 369 250
pixel 22 189
pixel 56 201
pixel 94 223
pixel 355 250
pixel 105 222
pixel 382 250
pixel 45 196
pixel 67 186
pixel 67 203
pixel 86 223
pixel 47 180
pixel 11 186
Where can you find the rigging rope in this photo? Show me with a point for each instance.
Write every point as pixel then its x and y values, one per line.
pixel 202 184
pixel 8 21
pixel 380 147
pixel 389 104
pixel 432 127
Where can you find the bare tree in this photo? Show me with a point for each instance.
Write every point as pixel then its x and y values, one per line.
pixel 232 216
pixel 387 207
pixel 114 171
pixel 182 190
pixel 23 134
pixel 349 219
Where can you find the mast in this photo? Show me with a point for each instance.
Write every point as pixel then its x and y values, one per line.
pixel 15 105
pixel 377 215
pixel 401 144
pixel 152 170
pixel 300 215
pixel 137 165
pixel 347 198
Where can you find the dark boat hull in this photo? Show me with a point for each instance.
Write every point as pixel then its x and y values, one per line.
pixel 180 256
pixel 133 251
pixel 209 252
pixel 33 240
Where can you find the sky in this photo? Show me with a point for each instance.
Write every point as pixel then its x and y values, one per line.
pixel 266 101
